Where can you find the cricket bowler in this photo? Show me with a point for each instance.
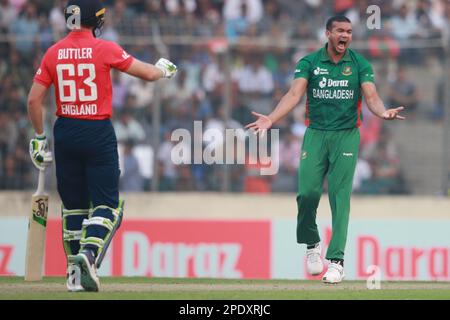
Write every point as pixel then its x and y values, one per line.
pixel 85 145
pixel 334 78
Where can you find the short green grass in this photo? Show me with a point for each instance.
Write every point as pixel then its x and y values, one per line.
pixel 132 288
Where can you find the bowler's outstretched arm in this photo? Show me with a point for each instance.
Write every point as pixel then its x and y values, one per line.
pixel 286 104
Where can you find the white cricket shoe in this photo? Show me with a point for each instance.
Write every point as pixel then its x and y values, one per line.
pixel 88 279
pixel 314 262
pixel 73 282
pixel 335 273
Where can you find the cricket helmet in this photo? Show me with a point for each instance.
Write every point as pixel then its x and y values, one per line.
pixel 92 13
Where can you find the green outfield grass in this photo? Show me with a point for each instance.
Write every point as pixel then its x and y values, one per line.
pixel 15 288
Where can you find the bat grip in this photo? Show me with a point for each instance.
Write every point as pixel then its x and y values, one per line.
pixel 41 182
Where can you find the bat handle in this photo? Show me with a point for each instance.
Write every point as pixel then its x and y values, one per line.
pixel 41 182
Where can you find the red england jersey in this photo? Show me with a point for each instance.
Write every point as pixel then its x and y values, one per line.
pixel 79 66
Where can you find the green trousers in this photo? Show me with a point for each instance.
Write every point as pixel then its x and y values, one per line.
pixel 333 154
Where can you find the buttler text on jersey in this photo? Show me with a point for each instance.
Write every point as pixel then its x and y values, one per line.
pixel 77 53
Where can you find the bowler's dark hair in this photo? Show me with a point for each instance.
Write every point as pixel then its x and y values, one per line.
pixel 336 19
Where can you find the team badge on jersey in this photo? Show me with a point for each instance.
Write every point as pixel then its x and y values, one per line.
pixel 304 155
pixel 347 71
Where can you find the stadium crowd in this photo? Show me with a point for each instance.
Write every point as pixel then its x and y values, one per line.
pixel 267 37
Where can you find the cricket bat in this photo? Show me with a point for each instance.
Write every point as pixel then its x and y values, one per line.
pixel 34 260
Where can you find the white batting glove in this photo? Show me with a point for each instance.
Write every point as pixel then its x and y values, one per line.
pixel 39 154
pixel 167 67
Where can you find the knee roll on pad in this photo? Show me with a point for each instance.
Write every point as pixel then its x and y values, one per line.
pixel 72 221
pixel 99 229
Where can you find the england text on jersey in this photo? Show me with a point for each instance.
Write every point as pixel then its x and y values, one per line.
pixel 75 110
pixel 75 53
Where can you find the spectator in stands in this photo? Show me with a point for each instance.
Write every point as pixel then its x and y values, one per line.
pixel 302 31
pixel 167 171
pixel 184 182
pixel 271 17
pixel 382 45
pixel 237 26
pixel 387 177
pixel 46 37
pixel 232 9
pixel 178 91
pixel 209 10
pixel 8 14
pixel 404 26
pixel 143 91
pixel 426 28
pixel 191 64
pixel 201 108
pixel 403 92
pixel 120 90
pixel 440 17
pixel 26 25
pixel 57 19
pixel 283 75
pixel 8 133
pixel 109 32
pixel 10 179
pixel 241 112
pixel 122 17
pixel 255 79
pixel 404 23
pixel 255 82
pixel 130 178
pixel 213 77
pixel 342 7
pixel 437 114
pixel 17 70
pixel 128 128
pixel 176 7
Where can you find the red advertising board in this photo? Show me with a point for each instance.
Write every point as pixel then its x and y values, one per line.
pixel 179 248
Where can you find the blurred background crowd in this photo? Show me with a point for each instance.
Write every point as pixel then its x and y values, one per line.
pixel 234 57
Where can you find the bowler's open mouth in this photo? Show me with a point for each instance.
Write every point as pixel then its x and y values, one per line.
pixel 342 44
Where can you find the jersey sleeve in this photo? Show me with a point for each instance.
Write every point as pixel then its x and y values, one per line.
pixel 43 75
pixel 118 58
pixel 365 71
pixel 302 69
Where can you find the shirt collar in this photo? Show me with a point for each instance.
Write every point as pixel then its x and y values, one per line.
pixel 325 57
pixel 81 34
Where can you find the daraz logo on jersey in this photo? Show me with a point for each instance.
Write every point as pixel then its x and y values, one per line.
pixel 332 83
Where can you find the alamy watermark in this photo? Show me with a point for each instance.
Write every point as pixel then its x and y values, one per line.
pixel 74 17
pixel 374 20
pixel 214 146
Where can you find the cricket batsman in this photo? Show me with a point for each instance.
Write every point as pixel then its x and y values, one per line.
pixel 334 78
pixel 85 145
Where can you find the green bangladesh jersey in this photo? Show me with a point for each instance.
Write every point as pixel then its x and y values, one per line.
pixel 334 89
